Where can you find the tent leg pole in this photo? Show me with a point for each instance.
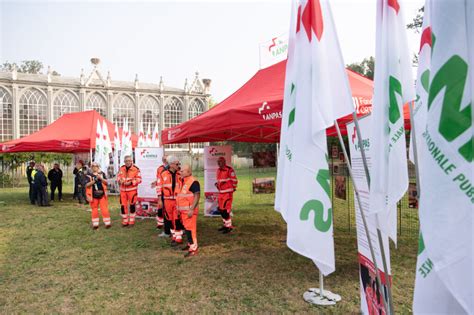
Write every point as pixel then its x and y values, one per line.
pixel 362 214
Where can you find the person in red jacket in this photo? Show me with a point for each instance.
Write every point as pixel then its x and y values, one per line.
pixel 226 185
pixel 166 191
pixel 159 215
pixel 129 178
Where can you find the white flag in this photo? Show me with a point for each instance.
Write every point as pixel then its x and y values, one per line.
pixel 141 136
pixel 393 87
pixel 444 280
pixel 316 93
pixel 156 137
pixel 107 148
pixel 126 141
pixel 99 144
pixel 117 149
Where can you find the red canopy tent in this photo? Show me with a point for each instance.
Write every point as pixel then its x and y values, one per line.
pixel 253 112
pixel 71 133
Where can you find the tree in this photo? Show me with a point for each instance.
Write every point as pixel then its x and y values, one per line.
pixel 26 66
pixel 417 22
pixel 365 67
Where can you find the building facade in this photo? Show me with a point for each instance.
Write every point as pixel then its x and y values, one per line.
pixel 29 102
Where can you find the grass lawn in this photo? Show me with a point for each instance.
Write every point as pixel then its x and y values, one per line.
pixel 51 261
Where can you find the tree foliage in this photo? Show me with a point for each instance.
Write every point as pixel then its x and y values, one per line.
pixel 26 66
pixel 417 22
pixel 365 67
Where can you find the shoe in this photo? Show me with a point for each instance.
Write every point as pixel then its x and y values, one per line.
pixel 159 227
pixel 163 234
pixel 191 254
pixel 227 230
pixel 221 229
pixel 108 226
pixel 95 227
pixel 174 243
pixel 185 247
pixel 124 225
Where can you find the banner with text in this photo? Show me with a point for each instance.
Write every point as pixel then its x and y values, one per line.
pixel 148 160
pixel 273 51
pixel 370 294
pixel 211 155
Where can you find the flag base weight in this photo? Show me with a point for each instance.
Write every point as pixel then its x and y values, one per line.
pixel 328 298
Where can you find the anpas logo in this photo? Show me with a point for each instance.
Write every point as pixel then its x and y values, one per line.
pixel 69 144
pixel 7 147
pixel 363 106
pixel 365 142
pixel 172 133
pixel 267 114
pixel 278 47
pixel 214 152
pixel 148 155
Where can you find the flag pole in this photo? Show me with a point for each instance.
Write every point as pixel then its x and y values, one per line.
pixel 362 212
pixel 379 233
pixel 415 150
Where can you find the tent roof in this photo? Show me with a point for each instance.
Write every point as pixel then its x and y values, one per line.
pixel 71 133
pixel 253 112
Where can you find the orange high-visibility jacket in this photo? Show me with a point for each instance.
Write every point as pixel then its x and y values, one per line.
pixel 164 185
pixel 159 170
pixel 89 189
pixel 132 175
pixel 184 197
pixel 226 180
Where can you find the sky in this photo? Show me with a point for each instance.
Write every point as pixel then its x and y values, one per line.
pixel 172 39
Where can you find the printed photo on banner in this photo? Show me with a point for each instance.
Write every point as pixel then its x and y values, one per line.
pixel 263 185
pixel 341 187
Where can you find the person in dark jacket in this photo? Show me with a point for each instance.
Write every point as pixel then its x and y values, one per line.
pixel 55 176
pixel 41 185
pixel 30 174
pixel 80 180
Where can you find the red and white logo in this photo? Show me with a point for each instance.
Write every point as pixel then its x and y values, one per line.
pixel 267 113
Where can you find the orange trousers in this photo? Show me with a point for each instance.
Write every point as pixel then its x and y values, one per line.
pixel 128 198
pixel 190 224
pixel 104 209
pixel 224 201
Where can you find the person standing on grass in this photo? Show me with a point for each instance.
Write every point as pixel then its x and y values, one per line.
pixel 96 191
pixel 41 185
pixel 188 192
pixel 55 176
pixel 30 174
pixel 159 215
pixel 129 178
pixel 80 179
pixel 166 191
pixel 226 185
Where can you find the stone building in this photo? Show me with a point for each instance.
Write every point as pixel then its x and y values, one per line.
pixel 29 102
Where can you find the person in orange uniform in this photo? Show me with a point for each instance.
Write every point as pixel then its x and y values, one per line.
pixel 129 178
pixel 166 191
pixel 187 204
pixel 226 185
pixel 159 215
pixel 96 194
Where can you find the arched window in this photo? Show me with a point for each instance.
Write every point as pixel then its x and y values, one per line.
pixel 97 103
pixel 124 108
pixel 196 107
pixel 33 111
pixel 149 112
pixel 65 102
pixel 173 112
pixel 6 121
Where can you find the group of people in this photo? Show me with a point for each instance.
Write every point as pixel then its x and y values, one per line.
pixel 38 192
pixel 178 193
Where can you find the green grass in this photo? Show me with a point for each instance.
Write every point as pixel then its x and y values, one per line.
pixel 52 262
